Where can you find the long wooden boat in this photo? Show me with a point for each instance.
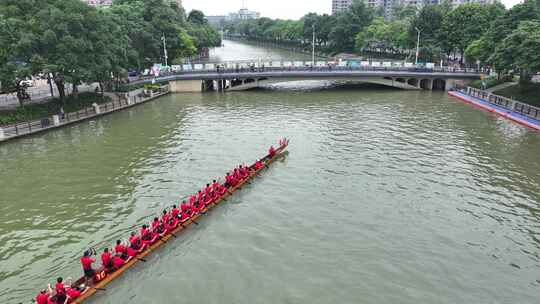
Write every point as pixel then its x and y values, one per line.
pixel 106 278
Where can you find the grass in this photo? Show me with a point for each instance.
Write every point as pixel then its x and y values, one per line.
pixel 528 93
pixel 38 111
pixel 490 82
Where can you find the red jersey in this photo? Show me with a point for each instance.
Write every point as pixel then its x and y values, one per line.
pixel 134 241
pixel 155 224
pixel 258 165
pixel 145 234
pixel 106 259
pixel 271 151
pixel 60 289
pixel 42 298
pixel 165 218
pixel 175 212
pixel 192 200
pixel 120 249
pixel 73 293
pixel 87 262
pixel 117 262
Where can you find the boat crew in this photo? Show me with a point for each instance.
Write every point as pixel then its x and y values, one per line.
pixel 271 152
pixel 60 290
pixel 121 250
pixel 106 259
pixel 86 262
pixel 44 296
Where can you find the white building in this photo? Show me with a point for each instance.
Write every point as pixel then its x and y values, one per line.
pixel 244 14
pixel 99 2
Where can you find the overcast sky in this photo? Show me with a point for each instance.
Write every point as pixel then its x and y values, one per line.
pixel 283 9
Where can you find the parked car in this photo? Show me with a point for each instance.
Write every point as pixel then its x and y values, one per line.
pixel 28 82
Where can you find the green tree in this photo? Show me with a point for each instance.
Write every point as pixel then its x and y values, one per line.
pixel 519 50
pixel 467 23
pixel 348 24
pixel 197 17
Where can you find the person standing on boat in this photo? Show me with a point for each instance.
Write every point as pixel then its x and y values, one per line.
pixel 60 290
pixel 44 296
pixel 86 262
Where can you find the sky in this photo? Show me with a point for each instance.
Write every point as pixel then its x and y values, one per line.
pixel 283 9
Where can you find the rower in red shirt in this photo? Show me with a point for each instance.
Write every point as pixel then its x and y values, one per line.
pixel 60 290
pixel 192 200
pixel 106 259
pixel 175 212
pixel 229 180
pixel 117 262
pixel 218 188
pixel 155 225
pixel 165 216
pixel 147 237
pixel 121 250
pixel 74 293
pixel 258 165
pixel 134 245
pixel 86 262
pixel 44 296
pixel 271 151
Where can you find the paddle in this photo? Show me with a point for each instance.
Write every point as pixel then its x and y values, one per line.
pixel 100 289
pixel 140 259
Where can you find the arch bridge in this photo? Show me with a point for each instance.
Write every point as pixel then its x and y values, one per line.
pixel 240 79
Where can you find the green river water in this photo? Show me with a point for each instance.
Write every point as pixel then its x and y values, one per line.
pixel 386 196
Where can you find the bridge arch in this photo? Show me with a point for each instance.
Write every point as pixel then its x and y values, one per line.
pixel 439 84
pixel 413 82
pixel 426 84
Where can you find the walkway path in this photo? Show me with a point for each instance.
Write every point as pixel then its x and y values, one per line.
pixel 501 86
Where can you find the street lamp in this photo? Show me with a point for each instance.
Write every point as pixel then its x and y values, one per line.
pixel 165 49
pixel 313 49
pixel 417 45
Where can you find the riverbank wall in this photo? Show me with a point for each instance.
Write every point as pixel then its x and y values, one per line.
pixel 510 109
pixel 128 100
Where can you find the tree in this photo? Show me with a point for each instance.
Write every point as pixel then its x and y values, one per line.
pixel 348 25
pixel 197 17
pixel 520 50
pixel 466 23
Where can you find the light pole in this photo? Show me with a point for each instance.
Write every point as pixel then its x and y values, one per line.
pixel 313 49
pixel 165 49
pixel 417 45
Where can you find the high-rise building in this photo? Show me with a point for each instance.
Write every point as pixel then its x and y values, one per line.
pixel 340 5
pixel 99 2
pixel 388 5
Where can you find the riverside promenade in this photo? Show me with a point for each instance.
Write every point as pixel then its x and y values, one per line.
pixel 48 123
pixel 519 112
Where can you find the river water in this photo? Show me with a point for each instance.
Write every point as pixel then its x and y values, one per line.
pixel 386 196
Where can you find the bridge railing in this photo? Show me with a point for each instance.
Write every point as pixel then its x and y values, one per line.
pixel 503 102
pixel 306 66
